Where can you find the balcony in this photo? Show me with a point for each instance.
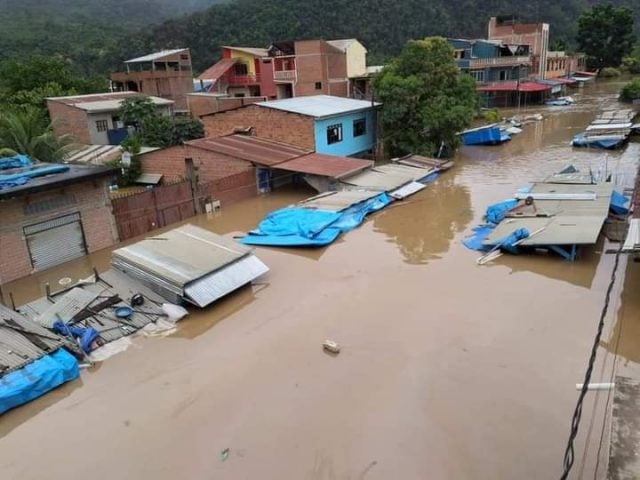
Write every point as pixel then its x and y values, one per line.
pixel 499 62
pixel 134 76
pixel 284 75
pixel 234 79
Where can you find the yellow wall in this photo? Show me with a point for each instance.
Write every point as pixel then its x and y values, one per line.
pixel 356 60
pixel 245 58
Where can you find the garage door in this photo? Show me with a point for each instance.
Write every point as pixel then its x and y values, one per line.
pixel 55 241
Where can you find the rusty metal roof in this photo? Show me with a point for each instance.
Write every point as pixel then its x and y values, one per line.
pixel 215 71
pixel 251 149
pixel 326 165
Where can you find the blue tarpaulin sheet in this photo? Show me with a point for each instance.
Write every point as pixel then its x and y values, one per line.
pixel 17 161
pixel 478 236
pixel 37 378
pixel 507 244
pixel 305 227
pixel 619 203
pixel 496 212
pixel 23 176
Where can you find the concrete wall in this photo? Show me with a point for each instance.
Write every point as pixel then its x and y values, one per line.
pixel 99 138
pixel 356 60
pixel 267 123
pixel 89 198
pixel 69 120
pixel 349 145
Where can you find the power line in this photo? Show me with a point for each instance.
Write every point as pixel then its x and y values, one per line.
pixel 569 454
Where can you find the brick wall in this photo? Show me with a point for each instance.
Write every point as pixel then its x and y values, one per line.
pixel 267 123
pixel 200 104
pixel 68 120
pixel 223 177
pixel 89 198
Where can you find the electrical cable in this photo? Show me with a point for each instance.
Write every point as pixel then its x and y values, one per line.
pixel 569 454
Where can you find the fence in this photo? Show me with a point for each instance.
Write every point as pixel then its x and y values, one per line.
pixel 141 212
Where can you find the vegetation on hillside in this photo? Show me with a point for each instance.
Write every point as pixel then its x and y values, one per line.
pixel 426 101
pixel 605 34
pixel 631 91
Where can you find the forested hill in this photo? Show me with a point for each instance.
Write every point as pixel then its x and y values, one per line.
pixel 382 25
pixel 82 30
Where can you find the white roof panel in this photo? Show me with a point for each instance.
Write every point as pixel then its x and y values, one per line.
pixel 319 106
pixel 156 56
pixel 112 105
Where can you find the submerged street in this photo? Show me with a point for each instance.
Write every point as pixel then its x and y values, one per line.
pixel 448 370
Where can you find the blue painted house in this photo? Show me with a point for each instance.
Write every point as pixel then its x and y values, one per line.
pixel 491 61
pixel 341 126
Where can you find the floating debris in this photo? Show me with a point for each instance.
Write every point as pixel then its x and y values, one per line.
pixel 331 346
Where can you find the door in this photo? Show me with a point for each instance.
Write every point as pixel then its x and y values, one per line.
pixel 55 241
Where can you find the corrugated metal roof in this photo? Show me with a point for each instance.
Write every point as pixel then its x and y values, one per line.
pixel 94 154
pixel 571 222
pixel 386 178
pixel 408 190
pixel 26 340
pixel 325 165
pixel 149 178
pixel 94 97
pixel 252 149
pixel 632 241
pixel 337 201
pixel 216 285
pixel 255 51
pixel 157 55
pixel 215 71
pixel 319 106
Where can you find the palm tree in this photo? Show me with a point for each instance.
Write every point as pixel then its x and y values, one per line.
pixel 28 131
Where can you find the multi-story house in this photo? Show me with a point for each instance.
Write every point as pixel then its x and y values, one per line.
pixel 166 74
pixel 492 61
pixel 290 69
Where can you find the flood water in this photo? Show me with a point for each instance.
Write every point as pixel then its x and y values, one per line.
pixel 448 370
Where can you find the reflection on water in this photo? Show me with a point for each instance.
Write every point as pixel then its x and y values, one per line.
pixel 424 226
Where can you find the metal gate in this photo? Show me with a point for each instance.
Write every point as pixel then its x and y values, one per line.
pixel 55 241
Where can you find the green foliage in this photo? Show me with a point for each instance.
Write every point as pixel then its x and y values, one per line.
pixel 155 130
pixel 631 63
pixel 605 34
pixel 25 83
pixel 491 115
pixel 426 102
pixel 631 91
pixel 610 72
pixel 7 152
pixel 27 131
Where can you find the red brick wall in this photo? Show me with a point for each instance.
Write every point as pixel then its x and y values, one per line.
pixel 234 188
pixel 311 67
pixel 170 162
pixel 267 123
pixel 90 199
pixel 68 120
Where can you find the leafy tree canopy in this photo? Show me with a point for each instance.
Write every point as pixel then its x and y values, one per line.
pixel 426 101
pixel 631 91
pixel 605 34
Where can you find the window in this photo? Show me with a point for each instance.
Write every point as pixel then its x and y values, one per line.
pixel 334 133
pixel 241 69
pixel 184 56
pixel 459 54
pixel 504 75
pixel 318 85
pixel 359 127
pixel 478 75
pixel 102 125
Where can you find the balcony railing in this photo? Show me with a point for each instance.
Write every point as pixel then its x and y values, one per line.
pixel 285 75
pixel 148 75
pixel 234 79
pixel 499 61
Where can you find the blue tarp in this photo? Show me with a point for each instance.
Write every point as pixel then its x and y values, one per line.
pixel 85 335
pixel 496 212
pixel 305 227
pixel 479 235
pixel 37 378
pixel 619 203
pixel 22 177
pixel 506 244
pixel 17 161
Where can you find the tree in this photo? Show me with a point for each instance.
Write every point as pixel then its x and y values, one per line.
pixel 605 34
pixel 631 91
pixel 155 130
pixel 632 62
pixel 27 131
pixel 27 82
pixel 426 101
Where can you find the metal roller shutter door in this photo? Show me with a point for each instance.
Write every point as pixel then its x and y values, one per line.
pixel 55 241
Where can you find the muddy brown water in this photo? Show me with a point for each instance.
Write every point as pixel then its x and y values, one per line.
pixel 448 370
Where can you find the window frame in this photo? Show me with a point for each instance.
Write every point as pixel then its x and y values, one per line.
pixel 337 137
pixel 102 125
pixel 359 127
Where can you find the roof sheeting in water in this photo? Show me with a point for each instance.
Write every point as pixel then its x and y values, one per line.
pixel 325 165
pixel 338 201
pixel 565 222
pixel 385 178
pixel 190 263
